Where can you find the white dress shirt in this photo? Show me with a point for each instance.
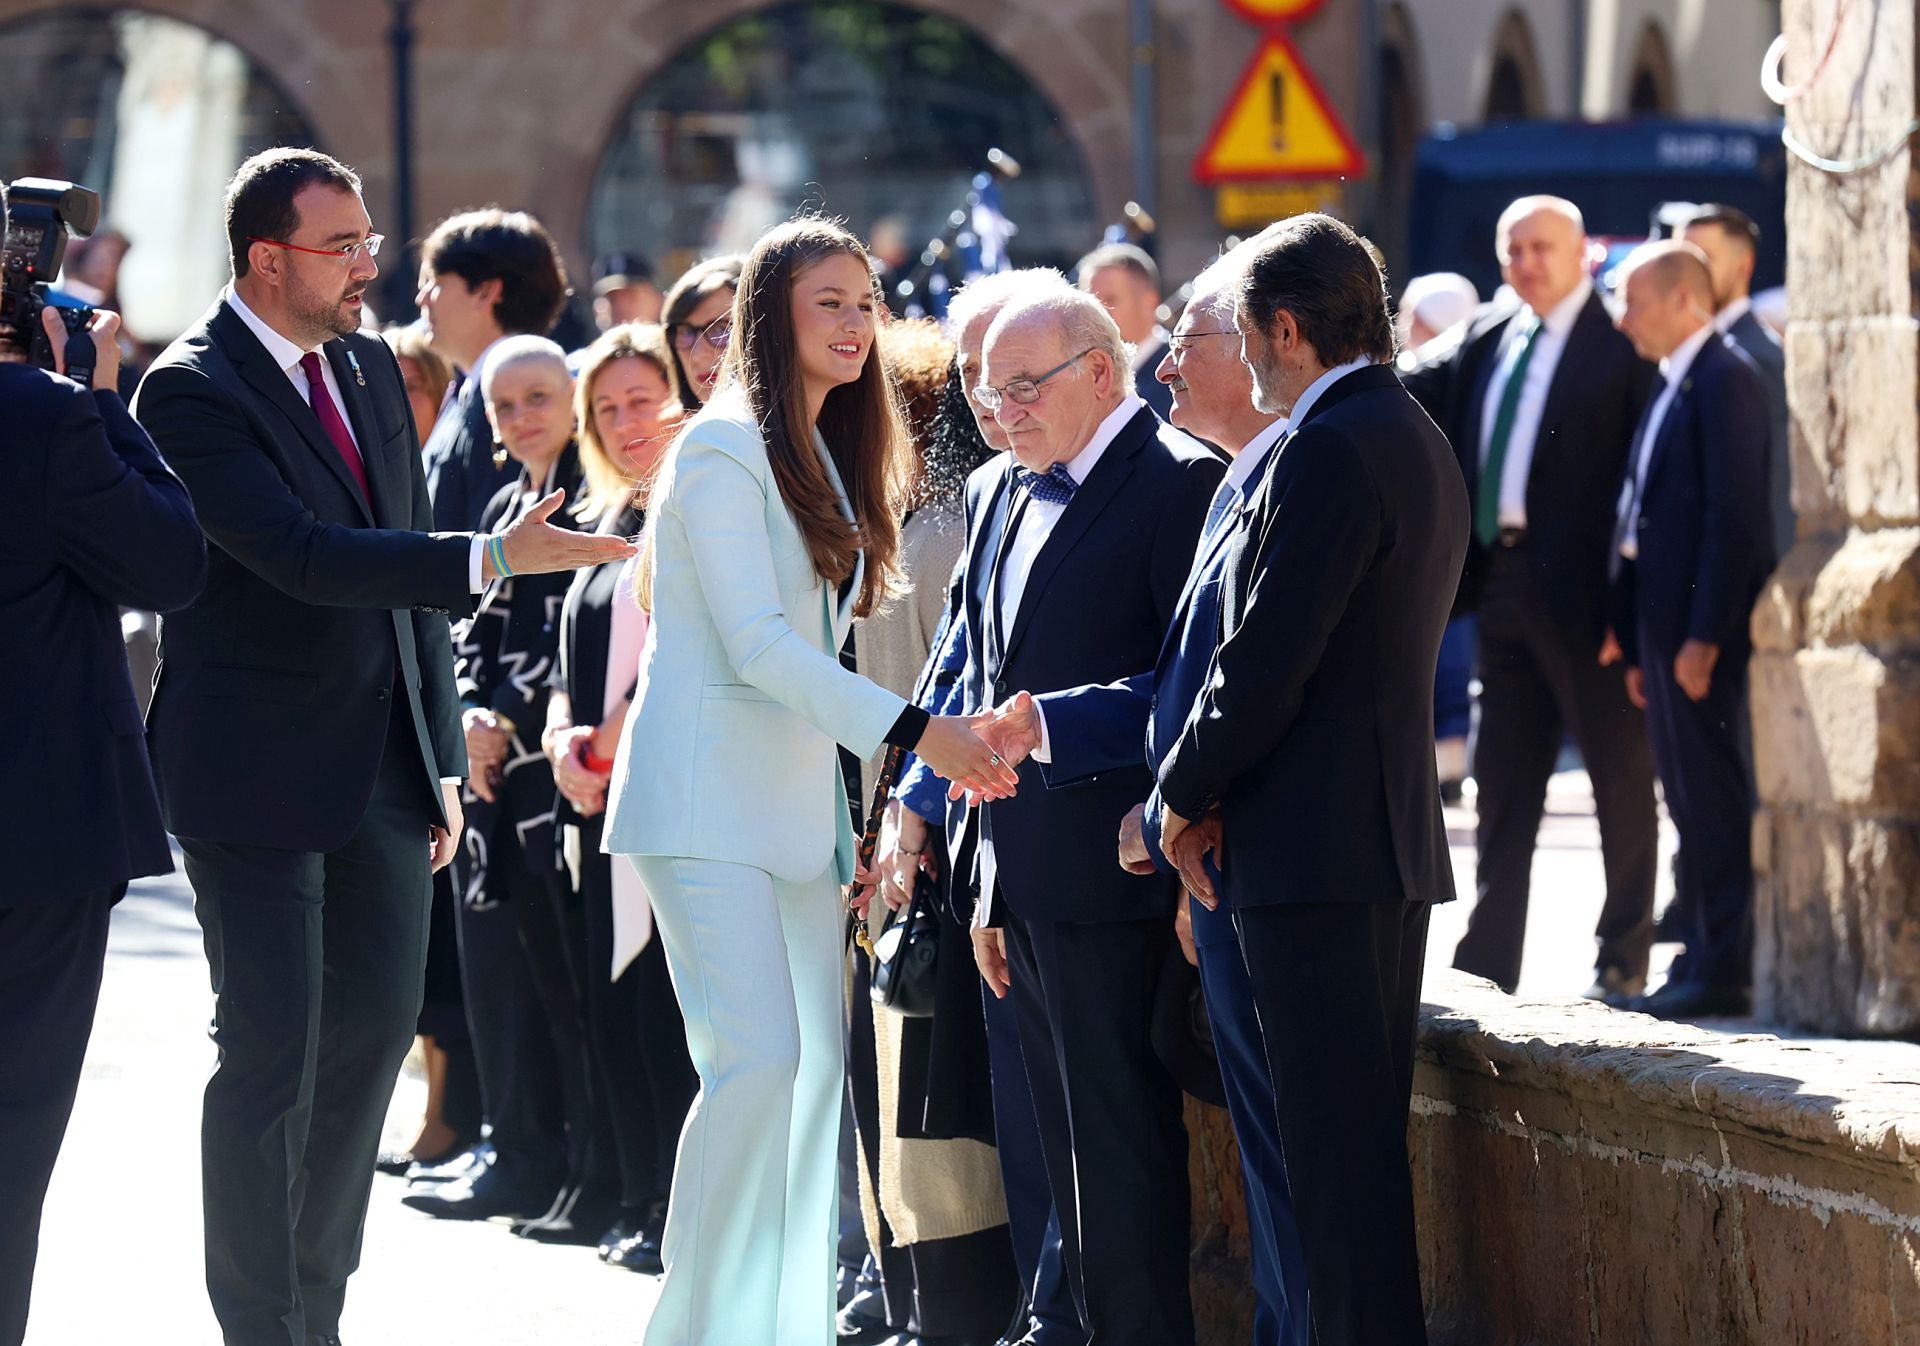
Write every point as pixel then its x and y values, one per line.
pixel 1674 370
pixel 1547 349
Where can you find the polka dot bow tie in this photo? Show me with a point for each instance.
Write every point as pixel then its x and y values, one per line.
pixel 1055 486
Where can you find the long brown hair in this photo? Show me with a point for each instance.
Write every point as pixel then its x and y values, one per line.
pixel 860 421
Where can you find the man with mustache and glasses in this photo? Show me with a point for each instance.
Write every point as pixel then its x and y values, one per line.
pixel 305 730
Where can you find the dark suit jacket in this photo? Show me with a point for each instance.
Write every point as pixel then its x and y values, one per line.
pixel 1762 347
pixel 1315 731
pixel 1095 608
pixel 1593 404
pixel 461 476
pixel 270 711
pixel 90 521
pixel 1153 392
pixel 1704 538
pixel 1095 729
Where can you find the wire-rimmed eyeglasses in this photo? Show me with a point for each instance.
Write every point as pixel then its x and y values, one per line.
pixel 1022 391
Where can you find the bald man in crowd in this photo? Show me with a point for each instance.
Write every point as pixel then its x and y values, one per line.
pixel 1540 402
pixel 1693 545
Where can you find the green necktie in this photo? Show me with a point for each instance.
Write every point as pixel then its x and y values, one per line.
pixel 1486 514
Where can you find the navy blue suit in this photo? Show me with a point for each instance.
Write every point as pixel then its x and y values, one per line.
pixel 1705 546
pixel 1095 729
pixel 1314 737
pixel 90 520
pixel 1086 941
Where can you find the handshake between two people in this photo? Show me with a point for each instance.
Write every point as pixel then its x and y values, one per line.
pixel 1013 728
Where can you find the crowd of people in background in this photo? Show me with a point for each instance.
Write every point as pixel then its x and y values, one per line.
pixel 1012 1165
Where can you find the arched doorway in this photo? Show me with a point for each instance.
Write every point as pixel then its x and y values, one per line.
pixel 1650 91
pixel 154 114
pixel 1513 86
pixel 870 111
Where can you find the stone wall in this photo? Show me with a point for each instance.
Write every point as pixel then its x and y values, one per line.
pixel 1585 1177
pixel 1836 674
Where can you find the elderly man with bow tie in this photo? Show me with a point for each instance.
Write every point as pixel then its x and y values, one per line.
pixel 1078 545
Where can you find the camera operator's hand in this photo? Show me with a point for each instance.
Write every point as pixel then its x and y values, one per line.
pixel 534 547
pixel 106 345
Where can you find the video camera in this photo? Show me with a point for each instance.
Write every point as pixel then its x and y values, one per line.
pixel 40 212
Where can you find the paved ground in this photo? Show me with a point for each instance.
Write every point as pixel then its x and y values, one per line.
pixel 120 1252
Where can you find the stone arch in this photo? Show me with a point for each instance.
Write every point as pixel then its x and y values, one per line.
pixel 1515 89
pixel 1652 89
pixel 1087 86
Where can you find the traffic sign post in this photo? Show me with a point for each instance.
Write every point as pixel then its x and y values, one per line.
pixel 1277 124
pixel 1273 11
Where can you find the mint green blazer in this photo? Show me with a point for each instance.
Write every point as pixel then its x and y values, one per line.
pixel 728 753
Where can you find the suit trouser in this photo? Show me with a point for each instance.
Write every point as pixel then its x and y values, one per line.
pixel 1338 990
pixel 51 955
pixel 1537 682
pixel 1701 747
pixel 1110 1121
pixel 1031 1219
pixel 752 1223
pixel 1279 1273
pixel 318 961
pixel 520 1091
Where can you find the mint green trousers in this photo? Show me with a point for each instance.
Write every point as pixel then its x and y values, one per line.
pixel 753 1219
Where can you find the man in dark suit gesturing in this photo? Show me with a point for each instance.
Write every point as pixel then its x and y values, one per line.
pixel 90 519
pixel 305 729
pixel 1539 402
pixel 1076 554
pixel 1310 753
pixel 1695 545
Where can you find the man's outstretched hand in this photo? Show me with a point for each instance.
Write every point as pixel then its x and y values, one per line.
pixel 535 547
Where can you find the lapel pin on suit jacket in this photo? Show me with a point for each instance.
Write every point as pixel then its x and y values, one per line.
pixel 358 377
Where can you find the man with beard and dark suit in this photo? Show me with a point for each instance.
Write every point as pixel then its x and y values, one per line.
pixel 1695 544
pixel 305 729
pixel 1077 550
pixel 90 519
pixel 1539 403
pixel 484 275
pixel 1127 281
pixel 1303 776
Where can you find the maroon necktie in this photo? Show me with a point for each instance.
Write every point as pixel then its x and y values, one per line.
pixel 331 421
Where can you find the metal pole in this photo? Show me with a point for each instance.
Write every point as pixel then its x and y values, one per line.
pixel 1366 190
pixel 1145 119
pixel 400 276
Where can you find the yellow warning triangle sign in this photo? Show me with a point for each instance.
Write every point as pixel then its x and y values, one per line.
pixel 1278 124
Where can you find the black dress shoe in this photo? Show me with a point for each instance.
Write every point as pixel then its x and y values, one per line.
pixel 625 1225
pixel 1696 1000
pixel 484 1196
pixel 641 1252
pixel 454 1167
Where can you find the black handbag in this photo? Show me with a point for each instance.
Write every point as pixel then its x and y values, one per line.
pixel 906 956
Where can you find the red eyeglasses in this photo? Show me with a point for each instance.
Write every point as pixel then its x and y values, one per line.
pixel 348 254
